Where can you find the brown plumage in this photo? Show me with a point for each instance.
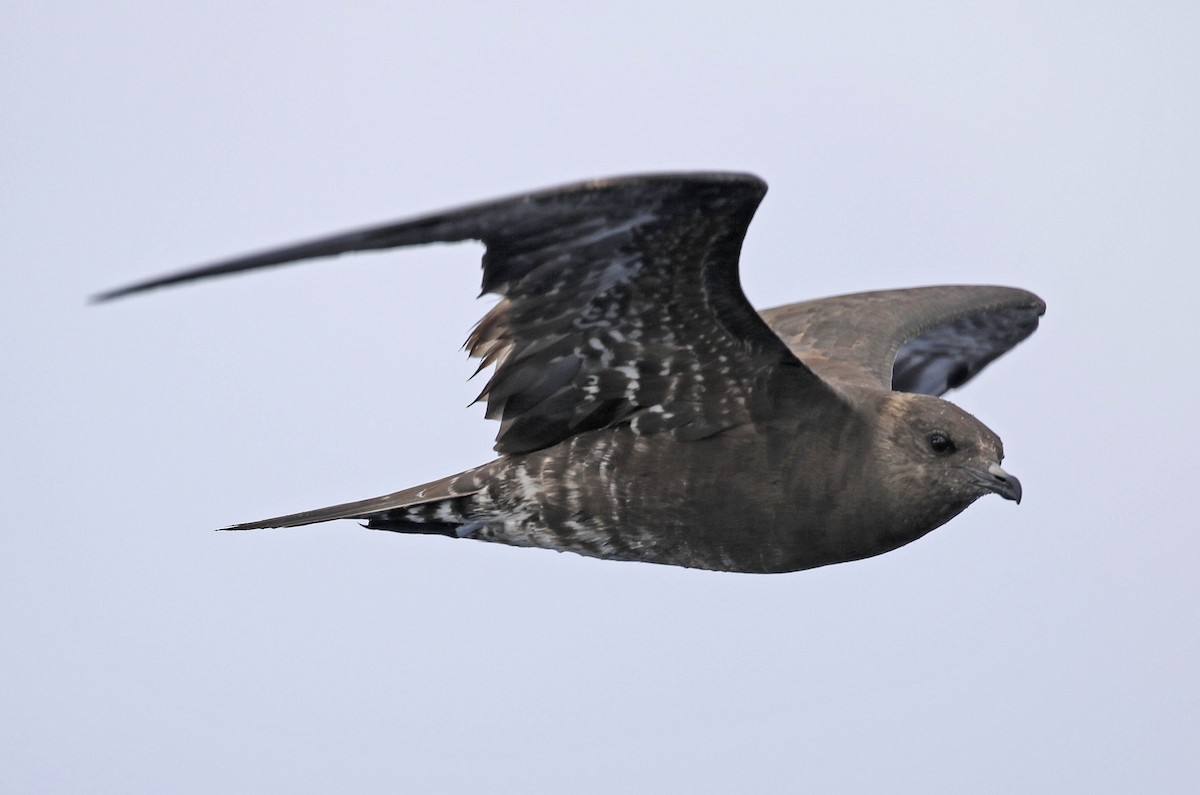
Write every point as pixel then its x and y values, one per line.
pixel 647 412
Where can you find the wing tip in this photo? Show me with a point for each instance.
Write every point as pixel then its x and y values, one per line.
pixel 109 295
pixel 143 286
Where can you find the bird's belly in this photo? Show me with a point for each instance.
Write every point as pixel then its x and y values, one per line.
pixel 733 502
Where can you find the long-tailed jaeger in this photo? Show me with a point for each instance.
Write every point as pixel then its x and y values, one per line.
pixel 648 412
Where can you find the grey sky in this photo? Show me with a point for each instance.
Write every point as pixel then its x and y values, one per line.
pixel 1047 647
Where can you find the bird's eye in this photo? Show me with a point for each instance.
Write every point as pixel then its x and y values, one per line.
pixel 940 443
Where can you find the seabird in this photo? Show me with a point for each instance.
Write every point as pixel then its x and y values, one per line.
pixel 648 413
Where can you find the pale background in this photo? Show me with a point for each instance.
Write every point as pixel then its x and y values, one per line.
pixel 1049 647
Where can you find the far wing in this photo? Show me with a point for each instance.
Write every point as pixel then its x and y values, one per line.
pixel 924 339
pixel 620 302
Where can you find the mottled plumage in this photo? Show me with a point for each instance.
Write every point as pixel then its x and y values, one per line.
pixel 647 412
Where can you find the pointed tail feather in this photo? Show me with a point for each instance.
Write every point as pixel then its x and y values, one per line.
pixel 392 506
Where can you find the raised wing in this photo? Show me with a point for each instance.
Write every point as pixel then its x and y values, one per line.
pixel 924 339
pixel 620 302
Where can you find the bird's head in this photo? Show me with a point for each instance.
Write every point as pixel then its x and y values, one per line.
pixel 936 459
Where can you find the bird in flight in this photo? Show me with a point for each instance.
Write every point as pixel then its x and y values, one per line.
pixel 647 412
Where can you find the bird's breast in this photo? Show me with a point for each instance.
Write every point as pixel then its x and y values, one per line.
pixel 749 499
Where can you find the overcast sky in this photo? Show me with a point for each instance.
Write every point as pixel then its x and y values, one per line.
pixel 1048 647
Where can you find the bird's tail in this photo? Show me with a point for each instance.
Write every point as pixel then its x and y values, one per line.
pixel 440 507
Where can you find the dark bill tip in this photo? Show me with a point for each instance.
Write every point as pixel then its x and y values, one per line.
pixel 996 479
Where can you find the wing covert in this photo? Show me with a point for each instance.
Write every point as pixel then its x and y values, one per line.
pixel 925 339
